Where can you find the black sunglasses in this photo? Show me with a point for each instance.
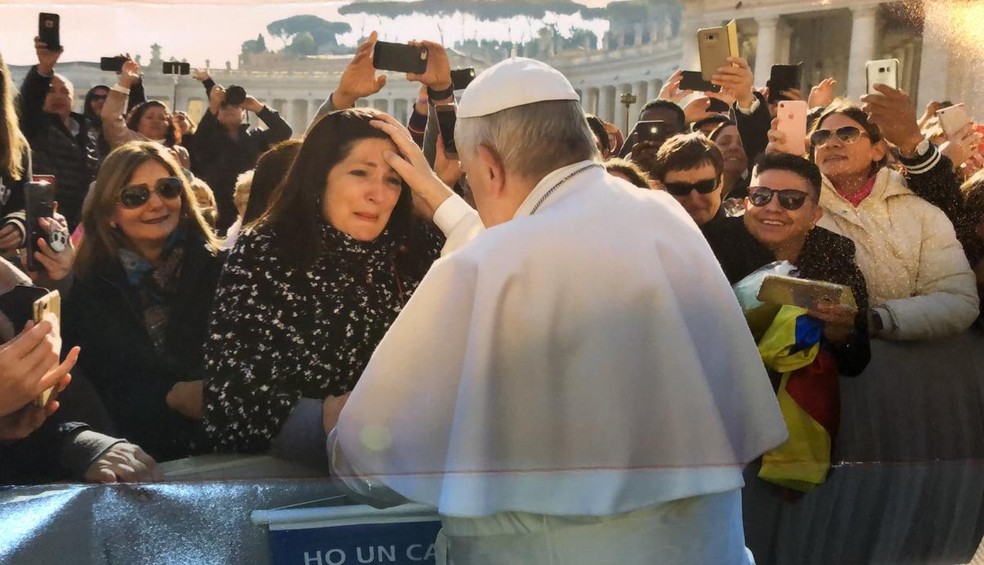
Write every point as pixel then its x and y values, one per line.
pixel 168 188
pixel 789 199
pixel 95 97
pixel 847 134
pixel 683 188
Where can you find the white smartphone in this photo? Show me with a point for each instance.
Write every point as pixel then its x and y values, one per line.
pixel 882 71
pixel 953 119
pixel 791 115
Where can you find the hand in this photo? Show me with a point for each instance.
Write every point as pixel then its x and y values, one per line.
pixel 129 74
pixel 187 398
pixel 696 109
pixel 736 79
pixel 200 75
pixel 447 169
pixel 892 111
pixel 438 73
pixel 777 139
pixel 252 104
pixel 671 88
pixel 792 94
pixel 359 78
pixel 838 320
pixel 22 423
pixel 331 408
pixel 29 365
pixel 962 146
pixel 57 263
pixel 822 94
pixel 725 97
pixel 123 462
pixel 47 58
pixel 429 192
pixel 10 238
pixel 931 109
pixel 644 154
pixel 215 99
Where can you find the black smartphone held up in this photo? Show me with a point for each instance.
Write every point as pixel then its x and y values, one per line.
pixel 39 202
pixel 783 77
pixel 176 68
pixel 399 57
pixel 446 118
pixel 461 78
pixel 655 131
pixel 49 27
pixel 692 80
pixel 17 304
pixel 114 64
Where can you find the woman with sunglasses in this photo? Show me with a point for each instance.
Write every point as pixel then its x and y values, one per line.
pixel 145 277
pixel 309 291
pixel 918 277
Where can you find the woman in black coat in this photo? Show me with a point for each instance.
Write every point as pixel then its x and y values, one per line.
pixel 145 278
pixel 309 290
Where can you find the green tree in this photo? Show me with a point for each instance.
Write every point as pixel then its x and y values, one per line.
pixel 257 45
pixel 322 33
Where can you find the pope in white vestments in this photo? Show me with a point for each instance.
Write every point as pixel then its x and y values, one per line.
pixel 573 381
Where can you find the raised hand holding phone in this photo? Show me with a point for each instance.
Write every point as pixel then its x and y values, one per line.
pixel 791 121
pixel 437 69
pixel 893 112
pixel 359 79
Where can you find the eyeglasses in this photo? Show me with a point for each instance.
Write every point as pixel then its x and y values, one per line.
pixel 847 134
pixel 683 188
pixel 168 188
pixel 789 199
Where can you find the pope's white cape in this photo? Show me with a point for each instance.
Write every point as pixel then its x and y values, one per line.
pixel 590 359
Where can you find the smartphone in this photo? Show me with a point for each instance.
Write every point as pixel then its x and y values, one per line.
pixel 114 64
pixel 715 45
pixel 805 293
pixel 718 106
pixel 693 80
pixel 49 27
pixel 50 302
pixel 399 57
pixel 791 115
pixel 953 119
pixel 652 130
pixel 882 71
pixel 783 77
pixel 39 202
pixel 461 78
pixel 176 68
pixel 446 118
pixel 17 304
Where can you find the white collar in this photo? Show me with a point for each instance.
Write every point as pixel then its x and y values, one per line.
pixel 548 183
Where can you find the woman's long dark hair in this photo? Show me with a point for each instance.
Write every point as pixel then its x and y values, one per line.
pixel 173 136
pixel 294 214
pixel 271 169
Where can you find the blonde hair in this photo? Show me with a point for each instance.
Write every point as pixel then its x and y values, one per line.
pixel 244 183
pixel 102 241
pixel 13 145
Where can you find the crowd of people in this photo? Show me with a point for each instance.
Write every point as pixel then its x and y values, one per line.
pixel 550 312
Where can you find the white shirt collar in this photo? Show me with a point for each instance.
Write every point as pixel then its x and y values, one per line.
pixel 547 183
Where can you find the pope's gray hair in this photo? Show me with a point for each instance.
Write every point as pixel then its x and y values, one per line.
pixel 531 140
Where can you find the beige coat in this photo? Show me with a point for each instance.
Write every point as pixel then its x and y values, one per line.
pixel 915 268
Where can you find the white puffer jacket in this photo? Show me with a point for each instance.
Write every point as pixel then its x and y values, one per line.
pixel 918 277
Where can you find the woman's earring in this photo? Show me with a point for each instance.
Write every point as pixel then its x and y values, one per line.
pixel 113 225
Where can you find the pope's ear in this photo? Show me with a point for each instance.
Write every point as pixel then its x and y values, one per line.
pixel 492 167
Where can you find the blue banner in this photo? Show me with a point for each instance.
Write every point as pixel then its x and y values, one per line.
pixel 401 543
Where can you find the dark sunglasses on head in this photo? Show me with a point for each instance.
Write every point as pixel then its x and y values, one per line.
pixel 789 199
pixel 135 196
pixel 683 188
pixel 847 134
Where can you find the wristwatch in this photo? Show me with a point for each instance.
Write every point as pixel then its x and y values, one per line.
pixel 440 94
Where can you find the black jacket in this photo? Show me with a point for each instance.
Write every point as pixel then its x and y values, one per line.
pixel 103 315
pixel 218 159
pixel 72 159
pixel 826 256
